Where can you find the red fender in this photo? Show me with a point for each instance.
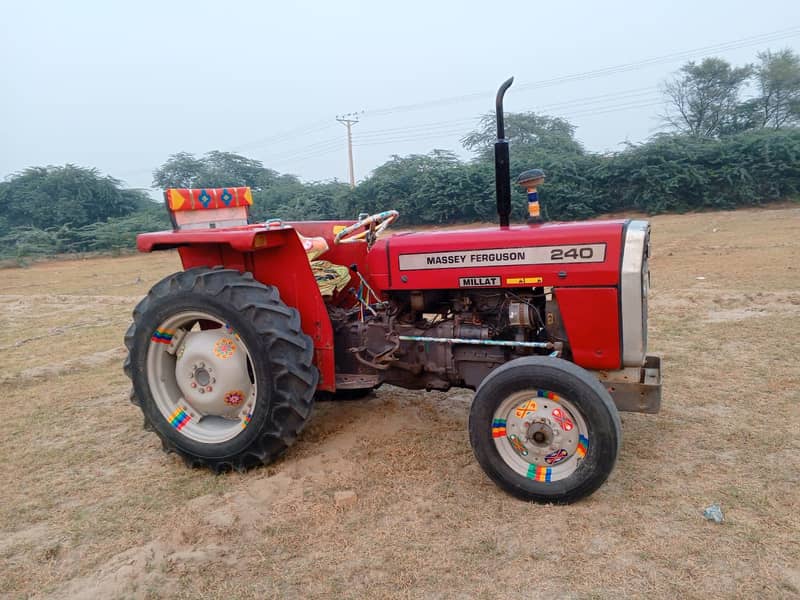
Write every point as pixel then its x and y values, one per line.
pixel 274 256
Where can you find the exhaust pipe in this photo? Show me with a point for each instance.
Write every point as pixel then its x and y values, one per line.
pixel 502 168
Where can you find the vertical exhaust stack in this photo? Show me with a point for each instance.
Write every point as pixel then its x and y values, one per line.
pixel 502 168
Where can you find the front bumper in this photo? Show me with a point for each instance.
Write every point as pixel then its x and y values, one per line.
pixel 635 389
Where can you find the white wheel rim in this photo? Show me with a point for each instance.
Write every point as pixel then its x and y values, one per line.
pixel 540 435
pixel 201 380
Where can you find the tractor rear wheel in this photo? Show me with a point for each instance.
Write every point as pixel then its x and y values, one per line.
pixel 545 430
pixel 220 368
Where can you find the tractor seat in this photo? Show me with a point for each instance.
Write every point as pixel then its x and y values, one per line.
pixel 208 208
pixel 330 278
pixel 213 208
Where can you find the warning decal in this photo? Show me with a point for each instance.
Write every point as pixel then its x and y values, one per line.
pixel 506 257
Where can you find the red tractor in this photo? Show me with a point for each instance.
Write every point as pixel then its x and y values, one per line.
pixel 547 321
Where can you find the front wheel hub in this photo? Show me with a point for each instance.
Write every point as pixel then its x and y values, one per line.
pixel 212 373
pixel 540 435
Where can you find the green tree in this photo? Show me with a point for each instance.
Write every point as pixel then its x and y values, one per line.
pixel 42 197
pixel 182 170
pixel 424 188
pixel 537 141
pixel 703 101
pixel 215 169
pixel 778 79
pixel 524 129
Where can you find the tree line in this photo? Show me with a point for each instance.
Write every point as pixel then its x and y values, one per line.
pixel 721 150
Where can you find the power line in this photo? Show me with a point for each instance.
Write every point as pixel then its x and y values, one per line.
pixel 329 142
pixel 587 112
pixel 602 72
pixel 279 137
pixel 440 129
pixel 577 102
pixel 444 134
pixel 576 106
pixel 610 109
pixel 613 70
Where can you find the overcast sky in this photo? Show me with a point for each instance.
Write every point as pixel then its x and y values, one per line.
pixel 121 86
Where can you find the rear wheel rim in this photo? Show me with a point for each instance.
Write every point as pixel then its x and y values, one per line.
pixel 540 435
pixel 201 380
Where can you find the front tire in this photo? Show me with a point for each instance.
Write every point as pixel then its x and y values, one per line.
pixel 220 368
pixel 544 430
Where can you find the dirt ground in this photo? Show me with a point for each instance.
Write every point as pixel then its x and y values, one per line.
pixel 90 507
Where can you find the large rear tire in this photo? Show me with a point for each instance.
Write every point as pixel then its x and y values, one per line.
pixel 220 368
pixel 544 430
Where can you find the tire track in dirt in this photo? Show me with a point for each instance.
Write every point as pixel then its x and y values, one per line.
pixel 90 361
pixel 219 527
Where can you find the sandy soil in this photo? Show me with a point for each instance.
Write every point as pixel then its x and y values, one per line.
pixel 91 507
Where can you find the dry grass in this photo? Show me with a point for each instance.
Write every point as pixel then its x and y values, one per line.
pixel 91 507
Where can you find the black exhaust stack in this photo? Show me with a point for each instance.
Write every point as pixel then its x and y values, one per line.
pixel 502 169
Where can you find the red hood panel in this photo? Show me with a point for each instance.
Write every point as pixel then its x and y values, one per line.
pixel 554 254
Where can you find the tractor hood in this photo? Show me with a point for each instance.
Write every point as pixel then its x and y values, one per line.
pixel 554 254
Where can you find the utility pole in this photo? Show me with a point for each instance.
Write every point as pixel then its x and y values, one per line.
pixel 348 121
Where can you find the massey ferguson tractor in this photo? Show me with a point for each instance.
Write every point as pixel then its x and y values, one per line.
pixel 546 321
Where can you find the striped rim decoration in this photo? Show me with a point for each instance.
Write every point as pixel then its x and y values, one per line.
pixel 163 336
pixel 583 446
pixel 539 473
pixel 547 394
pixel 246 420
pixel 179 418
pixel 499 428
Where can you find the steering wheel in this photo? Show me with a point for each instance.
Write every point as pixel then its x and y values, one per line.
pixel 373 224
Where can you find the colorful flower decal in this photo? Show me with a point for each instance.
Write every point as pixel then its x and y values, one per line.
pixel 234 398
pixel 224 348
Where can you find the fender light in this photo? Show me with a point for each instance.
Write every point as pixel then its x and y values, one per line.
pixel 259 240
pixel 268 239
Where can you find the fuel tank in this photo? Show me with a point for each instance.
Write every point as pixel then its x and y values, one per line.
pixel 586 254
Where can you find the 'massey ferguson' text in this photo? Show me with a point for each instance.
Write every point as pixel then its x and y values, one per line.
pixel 489 257
pixel 504 257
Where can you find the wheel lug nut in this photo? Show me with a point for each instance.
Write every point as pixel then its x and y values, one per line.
pixel 209 388
pixel 194 385
pixel 202 391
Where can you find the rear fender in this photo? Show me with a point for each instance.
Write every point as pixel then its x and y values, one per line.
pixel 277 258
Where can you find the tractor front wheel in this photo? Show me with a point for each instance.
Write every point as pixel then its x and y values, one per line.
pixel 545 430
pixel 220 368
